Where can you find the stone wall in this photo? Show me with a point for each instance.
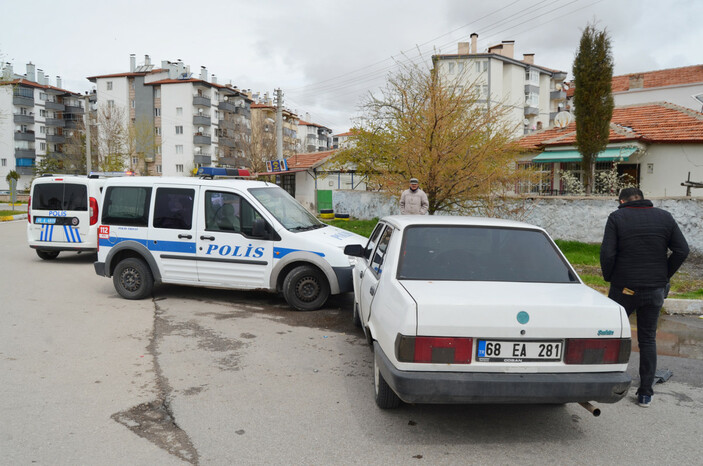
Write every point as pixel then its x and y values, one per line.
pixel 572 218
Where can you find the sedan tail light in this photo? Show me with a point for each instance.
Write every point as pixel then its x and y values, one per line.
pixel 434 350
pixel 597 351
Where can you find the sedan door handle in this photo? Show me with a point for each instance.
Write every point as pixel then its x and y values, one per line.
pixel 184 236
pixel 210 238
pixel 372 290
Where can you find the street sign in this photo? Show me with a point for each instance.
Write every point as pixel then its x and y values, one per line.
pixel 13 191
pixel 273 166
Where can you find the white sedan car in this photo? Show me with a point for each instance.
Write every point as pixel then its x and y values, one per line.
pixel 475 310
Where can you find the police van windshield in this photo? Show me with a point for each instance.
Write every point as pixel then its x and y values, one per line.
pixel 60 196
pixel 286 209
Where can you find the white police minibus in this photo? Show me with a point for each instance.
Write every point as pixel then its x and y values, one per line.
pixel 221 233
pixel 62 214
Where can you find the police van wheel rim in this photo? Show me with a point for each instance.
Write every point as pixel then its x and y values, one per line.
pixel 133 279
pixel 306 288
pixel 130 279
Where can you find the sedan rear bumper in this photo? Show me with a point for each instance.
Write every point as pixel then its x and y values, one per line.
pixel 490 387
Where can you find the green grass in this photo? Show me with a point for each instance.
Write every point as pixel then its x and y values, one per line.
pixel 585 257
pixel 17 211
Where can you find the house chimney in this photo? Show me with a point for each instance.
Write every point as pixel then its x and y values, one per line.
pixel 497 49
pixel 203 73
pixel 31 75
pixel 508 48
pixel 132 62
pixel 214 79
pixel 474 40
pixel 147 60
pixel 7 72
pixel 528 58
pixel 464 48
pixel 58 82
pixel 164 64
pixel 40 76
pixel 636 81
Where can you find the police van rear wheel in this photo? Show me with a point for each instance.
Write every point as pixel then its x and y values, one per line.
pixel 305 288
pixel 47 255
pixel 133 279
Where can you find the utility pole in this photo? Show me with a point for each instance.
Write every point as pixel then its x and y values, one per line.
pixel 88 155
pixel 279 124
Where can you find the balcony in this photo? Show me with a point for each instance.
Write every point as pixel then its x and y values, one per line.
pixel 25 153
pixel 201 100
pixel 227 142
pixel 54 155
pixel 203 139
pixel 529 110
pixel 232 161
pixel 73 124
pixel 74 109
pixel 245 111
pixel 201 120
pixel 55 138
pixel 56 122
pixel 552 115
pixel 23 119
pixel 50 105
pixel 226 124
pixel 24 136
pixel 202 159
pixel 227 106
pixel 23 101
pixel 557 95
pixel 25 170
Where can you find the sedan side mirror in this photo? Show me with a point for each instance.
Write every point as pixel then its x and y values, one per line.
pixel 355 250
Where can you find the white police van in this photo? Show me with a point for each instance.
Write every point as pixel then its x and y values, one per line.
pixel 62 214
pixel 222 233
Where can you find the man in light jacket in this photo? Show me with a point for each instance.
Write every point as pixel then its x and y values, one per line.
pixel 414 201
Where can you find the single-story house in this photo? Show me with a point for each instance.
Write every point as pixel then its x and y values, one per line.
pixel 659 145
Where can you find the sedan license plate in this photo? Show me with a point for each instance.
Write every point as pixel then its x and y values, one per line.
pixel 45 220
pixel 518 351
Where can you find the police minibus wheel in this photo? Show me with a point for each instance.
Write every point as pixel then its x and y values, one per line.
pixel 133 279
pixel 47 255
pixel 305 288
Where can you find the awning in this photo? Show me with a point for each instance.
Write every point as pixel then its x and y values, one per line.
pixel 608 155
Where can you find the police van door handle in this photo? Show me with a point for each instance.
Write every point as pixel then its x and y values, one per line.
pixel 361 274
pixel 184 236
pixel 372 290
pixel 211 238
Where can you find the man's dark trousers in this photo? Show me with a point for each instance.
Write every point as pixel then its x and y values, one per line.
pixel 647 304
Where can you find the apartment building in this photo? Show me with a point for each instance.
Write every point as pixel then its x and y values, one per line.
pixel 36 120
pixel 263 121
pixel 313 137
pixel 177 122
pixel 533 93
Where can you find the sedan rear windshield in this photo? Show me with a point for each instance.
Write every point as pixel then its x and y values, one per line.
pixel 60 196
pixel 469 253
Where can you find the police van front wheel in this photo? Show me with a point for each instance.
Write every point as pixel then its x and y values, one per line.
pixel 305 288
pixel 47 255
pixel 133 279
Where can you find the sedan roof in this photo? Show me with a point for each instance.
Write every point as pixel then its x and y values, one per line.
pixel 404 221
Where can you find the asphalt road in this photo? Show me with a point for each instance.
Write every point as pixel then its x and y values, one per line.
pixel 198 376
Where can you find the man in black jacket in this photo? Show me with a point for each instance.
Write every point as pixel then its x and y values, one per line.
pixel 634 259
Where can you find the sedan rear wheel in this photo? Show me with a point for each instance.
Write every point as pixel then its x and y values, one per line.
pixel 385 396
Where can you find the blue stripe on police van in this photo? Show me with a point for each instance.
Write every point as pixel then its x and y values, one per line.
pixel 51 232
pixel 67 233
pixel 78 235
pixel 164 246
pixel 278 253
pixel 42 231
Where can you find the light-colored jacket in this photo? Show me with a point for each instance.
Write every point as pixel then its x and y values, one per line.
pixel 414 202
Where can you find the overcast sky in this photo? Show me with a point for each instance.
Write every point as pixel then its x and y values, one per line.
pixel 327 55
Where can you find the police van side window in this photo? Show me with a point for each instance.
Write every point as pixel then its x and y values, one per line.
pixel 60 196
pixel 226 211
pixel 173 208
pixel 126 206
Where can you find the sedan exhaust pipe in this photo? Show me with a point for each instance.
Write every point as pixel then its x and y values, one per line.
pixel 595 411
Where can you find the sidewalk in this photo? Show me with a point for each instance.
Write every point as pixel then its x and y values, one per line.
pixel 21 210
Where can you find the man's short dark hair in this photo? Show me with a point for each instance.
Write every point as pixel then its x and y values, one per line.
pixel 630 194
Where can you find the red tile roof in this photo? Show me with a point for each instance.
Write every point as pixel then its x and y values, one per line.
pixel 651 79
pixel 659 122
pixel 126 75
pixel 27 83
pixel 309 160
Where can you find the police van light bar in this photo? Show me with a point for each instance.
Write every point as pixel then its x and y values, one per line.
pixel 209 172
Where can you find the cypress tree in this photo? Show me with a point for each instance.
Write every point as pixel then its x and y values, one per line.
pixel 593 99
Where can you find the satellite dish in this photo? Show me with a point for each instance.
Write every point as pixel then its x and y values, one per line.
pixel 200 129
pixel 562 119
pixel 226 98
pixel 558 86
pixel 525 122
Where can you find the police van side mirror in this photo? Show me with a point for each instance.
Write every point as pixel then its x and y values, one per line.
pixel 258 230
pixel 355 250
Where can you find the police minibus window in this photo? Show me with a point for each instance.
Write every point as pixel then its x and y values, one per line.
pixel 173 208
pixel 126 206
pixel 60 196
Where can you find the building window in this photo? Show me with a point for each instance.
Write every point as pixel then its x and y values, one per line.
pixel 450 67
pixel 3 162
pixel 109 85
pixel 42 96
pixel 157 112
pixel 158 150
pixel 133 104
pixel 532 77
pixel 179 149
pixel 179 168
pixel 42 146
pixel 110 104
pixel 481 66
pixel 157 93
pixel 484 91
pixel 532 99
pixel 179 111
pixel 157 130
pixel 158 169
pixel 42 130
pixel 539 180
pixel 179 129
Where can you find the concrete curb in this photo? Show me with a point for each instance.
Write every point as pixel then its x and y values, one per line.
pixel 683 306
pixel 8 218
